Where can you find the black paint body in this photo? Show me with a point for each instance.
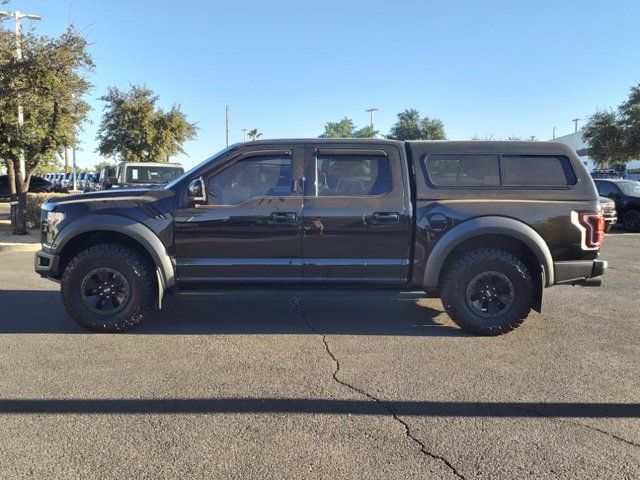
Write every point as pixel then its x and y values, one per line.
pixel 302 238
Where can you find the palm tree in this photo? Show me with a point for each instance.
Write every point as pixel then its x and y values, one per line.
pixel 254 134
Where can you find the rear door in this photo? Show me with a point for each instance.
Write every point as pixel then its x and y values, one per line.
pixel 356 215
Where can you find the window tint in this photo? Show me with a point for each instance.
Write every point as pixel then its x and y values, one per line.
pixel 607 188
pixel 153 174
pixel 463 170
pixel 249 178
pixel 537 170
pixel 352 175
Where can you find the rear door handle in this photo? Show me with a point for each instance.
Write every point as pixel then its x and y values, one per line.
pixel 289 218
pixel 384 218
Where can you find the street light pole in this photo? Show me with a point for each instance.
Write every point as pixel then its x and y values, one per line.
pixel 372 111
pixel 575 122
pixel 17 18
pixel 226 116
pixel 244 134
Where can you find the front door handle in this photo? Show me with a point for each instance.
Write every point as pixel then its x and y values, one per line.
pixel 383 218
pixel 288 218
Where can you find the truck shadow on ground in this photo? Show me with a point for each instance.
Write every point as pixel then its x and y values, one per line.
pixel 262 312
pixel 320 406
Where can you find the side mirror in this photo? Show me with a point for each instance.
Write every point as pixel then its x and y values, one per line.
pixel 195 192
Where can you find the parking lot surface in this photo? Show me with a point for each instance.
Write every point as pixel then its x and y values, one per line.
pixel 322 385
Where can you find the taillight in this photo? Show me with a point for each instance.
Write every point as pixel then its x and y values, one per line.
pixel 593 223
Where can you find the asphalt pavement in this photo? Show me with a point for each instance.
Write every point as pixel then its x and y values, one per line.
pixel 322 385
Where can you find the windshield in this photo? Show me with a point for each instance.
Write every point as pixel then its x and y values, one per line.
pixel 631 189
pixel 152 174
pixel 212 158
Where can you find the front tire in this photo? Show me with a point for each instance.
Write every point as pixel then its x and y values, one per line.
pixel 631 221
pixel 488 292
pixel 108 288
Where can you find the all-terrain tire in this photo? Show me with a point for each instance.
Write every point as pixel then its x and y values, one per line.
pixel 136 270
pixel 470 266
pixel 631 220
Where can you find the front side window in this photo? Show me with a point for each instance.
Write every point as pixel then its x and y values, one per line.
pixel 352 175
pixel 537 170
pixel 250 178
pixel 463 170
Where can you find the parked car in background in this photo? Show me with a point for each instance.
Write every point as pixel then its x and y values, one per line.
pixel 57 181
pixel 80 183
pixel 139 174
pixel 91 182
pixel 105 176
pixel 608 212
pixel 36 185
pixel 626 195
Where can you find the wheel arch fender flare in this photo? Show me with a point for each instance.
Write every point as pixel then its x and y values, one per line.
pixel 125 226
pixel 482 226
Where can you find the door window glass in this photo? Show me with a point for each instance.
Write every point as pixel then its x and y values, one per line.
pixel 249 178
pixel 352 175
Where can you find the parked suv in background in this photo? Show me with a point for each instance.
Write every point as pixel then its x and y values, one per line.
pixel 484 225
pixel 626 195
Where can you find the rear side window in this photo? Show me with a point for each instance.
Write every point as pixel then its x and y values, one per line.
pixel 463 170
pixel 537 170
pixel 352 175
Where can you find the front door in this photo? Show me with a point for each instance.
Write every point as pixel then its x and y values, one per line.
pixel 249 228
pixel 356 216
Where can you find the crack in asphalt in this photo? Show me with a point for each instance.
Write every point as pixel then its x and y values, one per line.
pixel 579 424
pixel 297 308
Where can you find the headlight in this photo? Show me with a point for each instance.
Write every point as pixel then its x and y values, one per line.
pixel 54 218
pixel 51 228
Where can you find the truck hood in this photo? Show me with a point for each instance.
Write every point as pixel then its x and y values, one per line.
pixel 112 195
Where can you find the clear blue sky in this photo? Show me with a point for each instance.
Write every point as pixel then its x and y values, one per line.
pixel 287 67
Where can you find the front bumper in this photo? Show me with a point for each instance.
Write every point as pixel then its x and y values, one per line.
pixel 580 272
pixel 47 264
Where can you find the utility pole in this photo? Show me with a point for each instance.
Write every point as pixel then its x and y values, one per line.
pixel 226 116
pixel 575 122
pixel 17 18
pixel 244 134
pixel 554 133
pixel 372 112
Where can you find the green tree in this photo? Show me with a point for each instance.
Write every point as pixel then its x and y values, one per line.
pixel 345 128
pixel 613 136
pixel 607 139
pixel 254 134
pixel 410 126
pixel 629 118
pixel 134 129
pixel 49 83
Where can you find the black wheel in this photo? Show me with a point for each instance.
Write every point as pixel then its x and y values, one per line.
pixel 631 221
pixel 108 288
pixel 488 292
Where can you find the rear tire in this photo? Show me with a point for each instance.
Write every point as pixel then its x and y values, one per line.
pixel 108 288
pixel 631 221
pixel 488 292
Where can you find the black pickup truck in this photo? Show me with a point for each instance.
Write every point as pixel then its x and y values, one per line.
pixel 484 225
